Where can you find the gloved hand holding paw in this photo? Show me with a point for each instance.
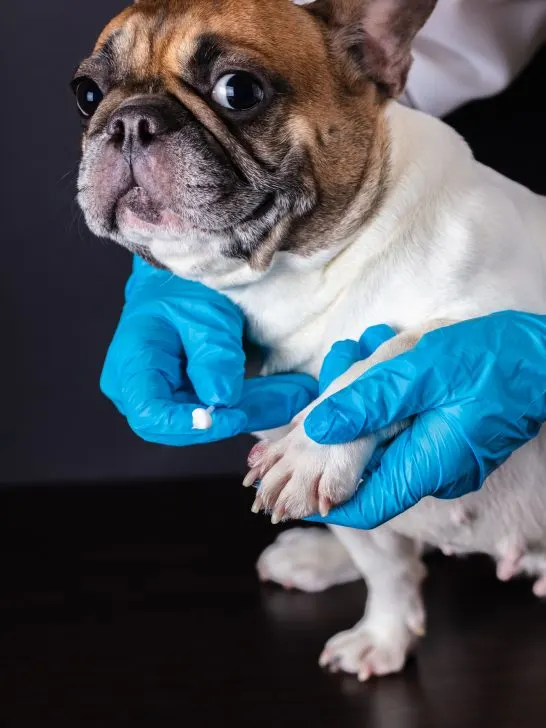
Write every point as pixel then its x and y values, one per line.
pixel 476 391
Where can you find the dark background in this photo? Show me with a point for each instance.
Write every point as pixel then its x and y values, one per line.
pixel 61 290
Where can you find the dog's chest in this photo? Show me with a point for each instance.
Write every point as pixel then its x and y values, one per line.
pixel 297 317
pixel 288 316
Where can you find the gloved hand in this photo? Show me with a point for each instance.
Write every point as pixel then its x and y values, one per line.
pixel 178 346
pixel 476 390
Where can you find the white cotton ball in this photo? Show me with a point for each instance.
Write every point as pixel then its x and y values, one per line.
pixel 202 418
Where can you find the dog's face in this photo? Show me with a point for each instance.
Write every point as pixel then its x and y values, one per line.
pixel 227 130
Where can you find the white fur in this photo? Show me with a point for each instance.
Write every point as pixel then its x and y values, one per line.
pixel 453 240
pixel 309 559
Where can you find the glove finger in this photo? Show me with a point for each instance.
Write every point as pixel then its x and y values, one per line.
pixel 158 414
pixel 265 403
pixel 341 356
pixel 213 346
pixel 172 424
pixel 273 401
pixel 344 354
pixel 373 337
pixel 375 460
pixel 419 380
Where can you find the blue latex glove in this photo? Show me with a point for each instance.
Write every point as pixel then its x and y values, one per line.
pixel 178 346
pixel 477 392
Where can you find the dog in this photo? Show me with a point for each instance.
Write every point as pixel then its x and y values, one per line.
pixel 257 146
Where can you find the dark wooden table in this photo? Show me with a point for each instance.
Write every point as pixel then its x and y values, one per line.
pixel 139 605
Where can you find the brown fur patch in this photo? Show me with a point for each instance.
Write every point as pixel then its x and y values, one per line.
pixel 326 123
pixel 373 38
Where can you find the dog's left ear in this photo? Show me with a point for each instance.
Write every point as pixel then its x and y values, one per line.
pixel 373 38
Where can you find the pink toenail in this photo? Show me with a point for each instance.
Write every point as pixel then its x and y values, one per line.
pixel 257 453
pixel 508 566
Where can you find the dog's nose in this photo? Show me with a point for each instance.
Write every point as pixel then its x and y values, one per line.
pixel 134 126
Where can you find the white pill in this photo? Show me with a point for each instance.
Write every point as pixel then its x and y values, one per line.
pixel 202 418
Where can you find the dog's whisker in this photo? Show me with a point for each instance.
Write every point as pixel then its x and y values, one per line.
pixel 66 175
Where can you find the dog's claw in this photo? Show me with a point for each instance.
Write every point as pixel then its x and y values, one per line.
pixel 323 659
pixel 325 504
pixel 539 587
pixel 364 674
pixel 251 477
pixel 277 516
pixel 419 630
pixel 257 505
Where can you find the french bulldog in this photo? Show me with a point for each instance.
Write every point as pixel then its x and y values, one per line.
pixel 257 146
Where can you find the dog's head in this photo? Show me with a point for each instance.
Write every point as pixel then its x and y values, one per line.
pixel 227 130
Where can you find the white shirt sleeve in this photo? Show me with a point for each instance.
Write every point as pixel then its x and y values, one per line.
pixel 471 49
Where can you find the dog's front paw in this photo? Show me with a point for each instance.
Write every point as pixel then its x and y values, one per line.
pixel 365 651
pixel 299 477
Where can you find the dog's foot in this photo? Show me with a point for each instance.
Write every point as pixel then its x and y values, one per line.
pixel 365 651
pixel 299 477
pixel 310 559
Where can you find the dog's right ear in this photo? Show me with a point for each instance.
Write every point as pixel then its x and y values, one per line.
pixel 373 38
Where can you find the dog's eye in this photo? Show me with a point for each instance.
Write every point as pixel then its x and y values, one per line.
pixel 88 96
pixel 238 91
